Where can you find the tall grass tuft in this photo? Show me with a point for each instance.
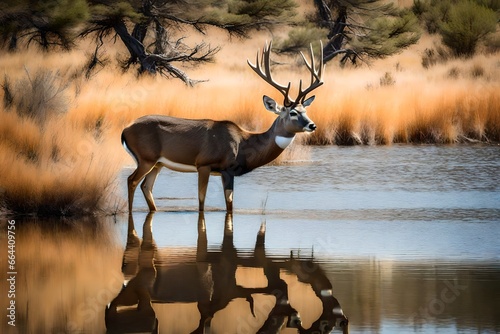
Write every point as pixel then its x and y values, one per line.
pixel 49 165
pixel 61 171
pixel 39 95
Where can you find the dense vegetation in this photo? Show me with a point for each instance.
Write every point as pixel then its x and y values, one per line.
pixel 462 24
pixel 149 29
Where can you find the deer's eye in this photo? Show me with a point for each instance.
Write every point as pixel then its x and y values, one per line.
pixel 293 113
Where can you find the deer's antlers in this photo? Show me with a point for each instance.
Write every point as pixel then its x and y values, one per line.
pixel 265 62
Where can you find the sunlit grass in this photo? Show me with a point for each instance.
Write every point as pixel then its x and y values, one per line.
pixel 352 107
pixel 432 113
pixel 60 170
pixel 51 165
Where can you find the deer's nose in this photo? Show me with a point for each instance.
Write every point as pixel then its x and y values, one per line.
pixel 312 126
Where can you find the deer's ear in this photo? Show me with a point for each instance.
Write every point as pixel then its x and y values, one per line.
pixel 271 105
pixel 308 102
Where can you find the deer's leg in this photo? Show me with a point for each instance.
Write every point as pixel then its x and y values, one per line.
pixel 260 245
pixel 202 243
pixel 228 185
pixel 147 187
pixel 133 180
pixel 203 176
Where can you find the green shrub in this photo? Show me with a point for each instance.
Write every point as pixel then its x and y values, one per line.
pixel 467 24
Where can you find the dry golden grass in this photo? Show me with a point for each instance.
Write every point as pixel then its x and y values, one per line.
pixel 352 107
pixel 72 159
pixel 67 274
pixel 427 113
pixel 58 170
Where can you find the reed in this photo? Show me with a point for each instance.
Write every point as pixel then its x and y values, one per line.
pixel 434 114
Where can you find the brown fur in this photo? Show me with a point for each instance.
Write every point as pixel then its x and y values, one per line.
pixel 206 146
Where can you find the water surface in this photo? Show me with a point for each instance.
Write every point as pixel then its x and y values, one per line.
pixel 398 239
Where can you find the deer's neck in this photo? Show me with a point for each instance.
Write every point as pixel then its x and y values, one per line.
pixel 261 148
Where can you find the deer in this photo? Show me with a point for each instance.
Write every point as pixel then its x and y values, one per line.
pixel 211 147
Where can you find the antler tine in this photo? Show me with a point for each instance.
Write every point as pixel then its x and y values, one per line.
pixel 266 74
pixel 316 75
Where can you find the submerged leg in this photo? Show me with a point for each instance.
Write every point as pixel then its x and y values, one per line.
pixel 203 176
pixel 228 185
pixel 147 187
pixel 133 180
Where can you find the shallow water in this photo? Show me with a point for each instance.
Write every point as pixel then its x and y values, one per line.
pixel 397 239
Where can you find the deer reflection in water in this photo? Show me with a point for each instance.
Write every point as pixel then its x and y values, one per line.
pixel 209 280
pixel 131 311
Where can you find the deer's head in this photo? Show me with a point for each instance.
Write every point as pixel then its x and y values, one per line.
pixel 293 111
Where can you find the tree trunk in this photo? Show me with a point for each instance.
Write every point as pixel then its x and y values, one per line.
pixel 13 42
pixel 135 48
pixel 336 36
pixel 325 14
pixel 161 39
pixel 140 31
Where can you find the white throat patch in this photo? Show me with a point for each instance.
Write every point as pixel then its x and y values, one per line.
pixel 283 142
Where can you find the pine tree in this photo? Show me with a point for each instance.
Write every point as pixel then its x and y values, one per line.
pixel 356 28
pixel 467 23
pixel 148 28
